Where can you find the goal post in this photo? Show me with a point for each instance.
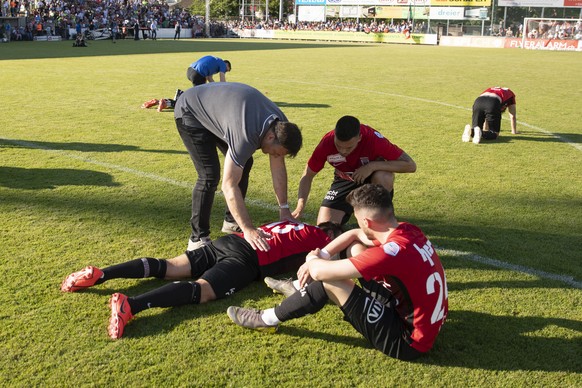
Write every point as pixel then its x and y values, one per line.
pixel 552 34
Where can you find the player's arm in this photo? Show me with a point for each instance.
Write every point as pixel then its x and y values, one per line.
pixel 330 270
pixel 304 190
pixel 342 242
pixel 222 77
pixel 210 78
pixel 404 164
pixel 236 204
pixel 513 118
pixel 279 176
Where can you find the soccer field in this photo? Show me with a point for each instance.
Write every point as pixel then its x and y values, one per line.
pixel 88 177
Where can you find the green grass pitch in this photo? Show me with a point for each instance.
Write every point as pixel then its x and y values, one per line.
pixel 87 177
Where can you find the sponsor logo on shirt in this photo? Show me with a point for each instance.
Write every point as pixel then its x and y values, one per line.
pixel 335 159
pixel 391 248
pixel 364 160
pixel 378 134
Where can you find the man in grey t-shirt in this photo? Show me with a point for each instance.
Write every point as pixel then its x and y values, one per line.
pixel 238 120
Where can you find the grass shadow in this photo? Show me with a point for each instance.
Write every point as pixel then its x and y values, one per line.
pixel 300 105
pixel 63 49
pixel 478 340
pixel 78 146
pixel 50 178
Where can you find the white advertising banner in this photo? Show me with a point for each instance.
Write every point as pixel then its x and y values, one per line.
pixel 447 13
pixel 531 3
pixel 312 13
pixel 378 2
pixel 541 3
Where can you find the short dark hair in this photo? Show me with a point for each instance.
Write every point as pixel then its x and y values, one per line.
pixel 347 128
pixel 289 136
pixel 328 226
pixel 371 196
pixel 229 65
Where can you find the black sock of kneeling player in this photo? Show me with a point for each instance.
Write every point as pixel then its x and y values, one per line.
pixel 144 267
pixel 170 295
pixel 308 300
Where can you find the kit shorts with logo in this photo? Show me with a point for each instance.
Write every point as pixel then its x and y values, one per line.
pixel 372 312
pixel 228 264
pixel 335 198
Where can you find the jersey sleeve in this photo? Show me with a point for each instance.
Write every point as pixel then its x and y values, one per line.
pixel 381 146
pixel 388 150
pixel 371 263
pixel 319 156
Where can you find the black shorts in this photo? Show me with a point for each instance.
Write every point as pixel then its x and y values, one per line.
pixel 335 198
pixel 487 108
pixel 195 77
pixel 377 320
pixel 228 264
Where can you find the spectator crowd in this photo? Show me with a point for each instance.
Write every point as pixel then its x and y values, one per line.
pixel 58 17
pixel 127 17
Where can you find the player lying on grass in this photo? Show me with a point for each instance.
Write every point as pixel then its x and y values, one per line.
pixel 401 302
pixel 221 268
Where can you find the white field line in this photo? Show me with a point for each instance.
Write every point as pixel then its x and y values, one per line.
pixel 257 203
pixel 129 170
pixel 508 266
pixel 368 91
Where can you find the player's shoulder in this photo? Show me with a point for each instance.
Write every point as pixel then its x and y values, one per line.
pixel 367 132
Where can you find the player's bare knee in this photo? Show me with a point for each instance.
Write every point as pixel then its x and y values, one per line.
pixel 206 291
pixel 338 291
pixel 384 178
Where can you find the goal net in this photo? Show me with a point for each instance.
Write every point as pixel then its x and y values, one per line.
pixel 552 34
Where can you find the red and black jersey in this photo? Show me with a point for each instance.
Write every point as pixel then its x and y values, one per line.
pixel 289 239
pixel 372 146
pixel 506 95
pixel 408 266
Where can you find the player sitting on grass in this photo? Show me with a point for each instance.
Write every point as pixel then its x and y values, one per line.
pixel 224 266
pixel 401 302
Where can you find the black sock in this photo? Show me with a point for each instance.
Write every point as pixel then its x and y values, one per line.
pixel 308 300
pixel 170 295
pixel 136 269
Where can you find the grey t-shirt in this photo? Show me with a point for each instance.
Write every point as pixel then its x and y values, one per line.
pixel 237 113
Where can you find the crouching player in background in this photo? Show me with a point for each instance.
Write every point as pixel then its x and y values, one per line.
pixel 401 302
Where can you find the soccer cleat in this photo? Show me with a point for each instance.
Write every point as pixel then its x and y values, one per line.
pixel 283 286
pixel 150 103
pixel 193 245
pixel 82 279
pixel 163 105
pixel 249 318
pixel 120 315
pixel 477 136
pixel 230 227
pixel 466 134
